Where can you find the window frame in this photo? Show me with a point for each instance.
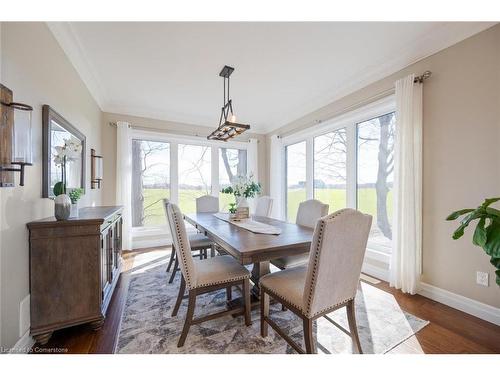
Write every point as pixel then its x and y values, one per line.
pixel 174 140
pixel 348 120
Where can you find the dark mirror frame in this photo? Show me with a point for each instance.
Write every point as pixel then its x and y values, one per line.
pixel 48 114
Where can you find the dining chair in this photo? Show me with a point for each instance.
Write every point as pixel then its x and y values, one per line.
pixel 198 242
pixel 204 276
pixel 307 215
pixel 207 204
pixel 327 283
pixel 264 206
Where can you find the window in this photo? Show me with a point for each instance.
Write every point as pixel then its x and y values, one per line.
pixel 295 178
pixel 347 162
pixel 330 169
pixel 232 163
pixel 150 182
pixel 194 175
pixel 375 139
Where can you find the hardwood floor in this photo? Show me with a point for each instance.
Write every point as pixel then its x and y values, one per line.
pixel 449 331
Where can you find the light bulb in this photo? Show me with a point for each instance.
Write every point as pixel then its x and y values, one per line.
pixel 233 118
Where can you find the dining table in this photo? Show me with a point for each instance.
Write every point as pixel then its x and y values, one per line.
pixel 250 248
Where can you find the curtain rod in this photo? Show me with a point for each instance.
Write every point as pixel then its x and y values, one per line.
pixel 113 124
pixel 418 79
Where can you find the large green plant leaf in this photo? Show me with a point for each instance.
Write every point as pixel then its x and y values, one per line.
pixel 456 214
pixel 492 246
pixel 479 237
pixel 489 201
pixel 493 212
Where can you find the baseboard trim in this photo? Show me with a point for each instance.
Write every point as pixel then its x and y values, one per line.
pixel 23 345
pixel 478 309
pixel 377 272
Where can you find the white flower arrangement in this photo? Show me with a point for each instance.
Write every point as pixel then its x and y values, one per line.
pixel 70 151
pixel 243 186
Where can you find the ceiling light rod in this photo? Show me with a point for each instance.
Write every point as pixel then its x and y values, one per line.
pixel 227 129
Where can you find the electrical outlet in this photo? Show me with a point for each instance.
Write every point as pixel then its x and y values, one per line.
pixel 482 278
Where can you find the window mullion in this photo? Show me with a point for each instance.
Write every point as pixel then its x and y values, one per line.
pixel 351 166
pixel 174 172
pixel 215 171
pixel 309 168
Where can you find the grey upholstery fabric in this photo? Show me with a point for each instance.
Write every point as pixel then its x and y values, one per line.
pixel 336 256
pixel 196 240
pixel 310 211
pixel 219 270
pixel 287 284
pixel 207 203
pixel 181 244
pixel 332 274
pixel 264 206
pixel 307 215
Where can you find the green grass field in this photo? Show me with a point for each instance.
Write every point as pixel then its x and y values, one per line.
pixel 336 198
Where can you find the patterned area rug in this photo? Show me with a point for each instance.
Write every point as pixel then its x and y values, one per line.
pixel 147 326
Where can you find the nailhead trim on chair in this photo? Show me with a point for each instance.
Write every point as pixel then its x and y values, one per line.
pixel 301 308
pixel 224 281
pixel 187 276
pixel 316 260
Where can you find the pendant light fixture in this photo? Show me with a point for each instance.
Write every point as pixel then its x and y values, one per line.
pixel 228 127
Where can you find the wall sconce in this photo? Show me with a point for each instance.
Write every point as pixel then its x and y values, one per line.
pixel 96 170
pixel 15 138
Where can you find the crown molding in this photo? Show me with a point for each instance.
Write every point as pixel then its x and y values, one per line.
pixel 70 43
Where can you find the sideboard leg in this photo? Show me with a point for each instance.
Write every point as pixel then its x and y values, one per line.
pixel 96 325
pixel 43 338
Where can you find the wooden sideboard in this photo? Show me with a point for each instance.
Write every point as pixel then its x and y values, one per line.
pixel 74 267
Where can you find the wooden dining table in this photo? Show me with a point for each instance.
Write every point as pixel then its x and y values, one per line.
pixel 254 248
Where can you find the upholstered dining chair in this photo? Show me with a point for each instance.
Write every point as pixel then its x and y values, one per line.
pixel 204 276
pixel 327 283
pixel 307 215
pixel 207 204
pixel 263 206
pixel 198 242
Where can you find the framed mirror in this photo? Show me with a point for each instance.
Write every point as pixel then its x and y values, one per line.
pixel 63 153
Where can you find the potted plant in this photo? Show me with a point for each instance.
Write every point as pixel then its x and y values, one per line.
pixel 75 195
pixel 487 232
pixel 64 154
pixel 243 188
pixel 232 211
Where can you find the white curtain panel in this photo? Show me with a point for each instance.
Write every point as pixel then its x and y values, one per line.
pixel 406 259
pixel 253 158
pixel 124 179
pixel 276 176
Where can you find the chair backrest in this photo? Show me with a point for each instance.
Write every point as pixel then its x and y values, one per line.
pixel 335 260
pixel 310 211
pixel 181 243
pixel 207 203
pixel 264 206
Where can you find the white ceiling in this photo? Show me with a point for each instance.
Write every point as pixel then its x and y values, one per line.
pixel 282 71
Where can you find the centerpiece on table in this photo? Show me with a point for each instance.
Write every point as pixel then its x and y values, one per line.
pixel 65 154
pixel 243 188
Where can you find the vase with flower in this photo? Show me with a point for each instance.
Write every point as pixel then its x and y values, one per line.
pixel 67 153
pixel 243 188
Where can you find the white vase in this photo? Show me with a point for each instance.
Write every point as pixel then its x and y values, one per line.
pixel 242 202
pixel 62 207
pixel 74 210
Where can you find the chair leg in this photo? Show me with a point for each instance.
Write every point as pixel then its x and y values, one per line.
pixel 308 336
pixel 189 318
pixel 178 302
pixel 172 257
pixel 229 294
pixel 246 295
pixel 351 318
pixel 264 312
pixel 182 289
pixel 174 271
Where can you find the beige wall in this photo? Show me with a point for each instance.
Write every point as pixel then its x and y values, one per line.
pixel 37 70
pixel 461 154
pixel 109 145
